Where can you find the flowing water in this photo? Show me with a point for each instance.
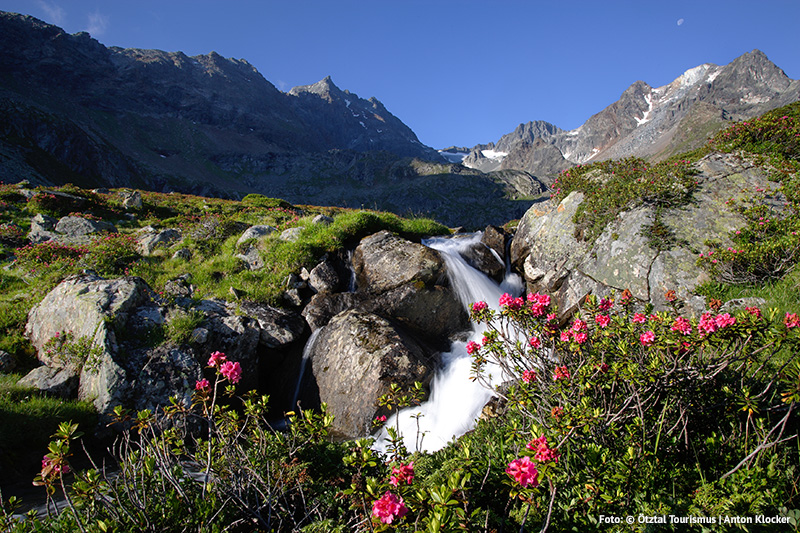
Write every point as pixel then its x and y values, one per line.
pixel 455 401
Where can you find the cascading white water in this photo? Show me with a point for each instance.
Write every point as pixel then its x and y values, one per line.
pixel 455 401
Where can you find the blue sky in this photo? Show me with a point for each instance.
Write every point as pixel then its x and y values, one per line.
pixel 457 72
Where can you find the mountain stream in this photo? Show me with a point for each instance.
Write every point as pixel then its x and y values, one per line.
pixel 455 402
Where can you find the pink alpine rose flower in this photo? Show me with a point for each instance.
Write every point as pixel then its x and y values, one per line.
pixel 524 472
pixel 578 325
pixel 402 474
pixel 388 507
pixel 473 347
pixel 202 385
pixel 602 320
pixel 561 372
pixel 216 359
pixel 639 318
pixel 707 324
pixel 791 320
pixel 681 325
pixel 647 338
pixel 535 342
pixel 724 320
pixel 231 370
pixel 479 306
pixel 755 311
pixel 528 376
pixel 543 453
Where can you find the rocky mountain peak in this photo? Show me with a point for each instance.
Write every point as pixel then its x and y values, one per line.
pixel 654 122
pixel 325 89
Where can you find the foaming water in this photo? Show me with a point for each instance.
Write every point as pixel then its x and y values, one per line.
pixel 455 401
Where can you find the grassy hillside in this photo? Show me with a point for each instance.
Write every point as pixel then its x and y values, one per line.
pixel 620 418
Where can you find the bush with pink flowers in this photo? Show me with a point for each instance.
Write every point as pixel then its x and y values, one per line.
pixel 648 414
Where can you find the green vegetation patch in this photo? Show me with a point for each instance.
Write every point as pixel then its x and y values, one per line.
pixel 611 187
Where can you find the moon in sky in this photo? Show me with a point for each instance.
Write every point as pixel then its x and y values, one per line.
pixel 680 21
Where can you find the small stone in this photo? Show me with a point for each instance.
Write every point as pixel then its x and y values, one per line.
pixel 184 253
pixel 132 200
pixel 291 234
pixel 322 219
pixel 255 232
pixel 7 362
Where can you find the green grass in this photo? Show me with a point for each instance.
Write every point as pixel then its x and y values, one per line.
pixel 782 294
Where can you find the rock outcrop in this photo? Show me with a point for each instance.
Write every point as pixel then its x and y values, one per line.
pixel 114 331
pixel 555 260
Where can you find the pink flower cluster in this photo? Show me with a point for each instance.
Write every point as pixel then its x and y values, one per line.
pixel 561 372
pixel 639 318
pixel 216 359
pixel 577 332
pixel 709 323
pixel 473 347
pixel 515 304
pixel 202 385
pixel 791 320
pixel 539 303
pixel 543 453
pixel 602 320
pixel 402 474
pixel 524 472
pixel 535 342
pixel 479 306
pixel 755 311
pixel 528 376
pixel 388 507
pixel 49 466
pixel 647 338
pixel 606 304
pixel 681 325
pixel 231 370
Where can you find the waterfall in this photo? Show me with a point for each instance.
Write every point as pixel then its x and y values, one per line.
pixel 312 340
pixel 455 401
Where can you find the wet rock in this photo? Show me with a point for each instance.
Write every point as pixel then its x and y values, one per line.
pixel 324 278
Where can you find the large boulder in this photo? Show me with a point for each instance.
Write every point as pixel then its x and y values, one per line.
pixel 68 230
pixel 76 230
pixel 384 261
pixel 355 359
pixel 149 239
pixel 399 280
pixel 554 259
pixel 86 307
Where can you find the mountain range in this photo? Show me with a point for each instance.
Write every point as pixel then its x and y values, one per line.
pixel 652 123
pixel 74 110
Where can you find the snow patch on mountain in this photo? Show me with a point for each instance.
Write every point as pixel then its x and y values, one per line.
pixel 493 154
pixel 646 117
